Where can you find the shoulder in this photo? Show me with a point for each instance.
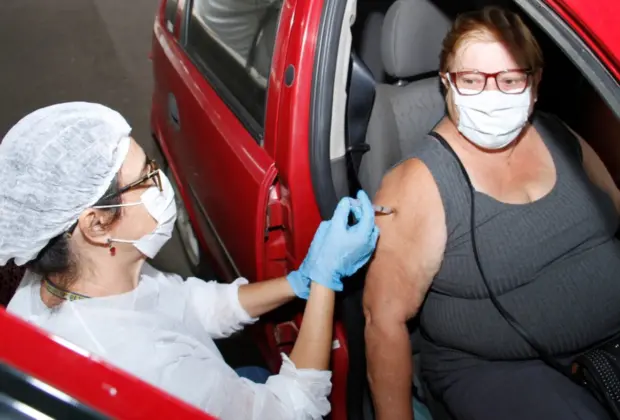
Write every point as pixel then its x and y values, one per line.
pixel 430 181
pixel 551 128
pixel 152 274
pixel 419 216
pixel 406 184
pixel 548 121
pixel 21 301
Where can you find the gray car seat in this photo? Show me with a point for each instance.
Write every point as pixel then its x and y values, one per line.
pixel 370 45
pixel 403 113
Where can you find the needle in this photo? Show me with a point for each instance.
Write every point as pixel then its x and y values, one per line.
pixel 382 209
pixel 377 208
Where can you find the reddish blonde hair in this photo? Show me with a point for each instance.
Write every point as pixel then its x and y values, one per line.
pixel 494 23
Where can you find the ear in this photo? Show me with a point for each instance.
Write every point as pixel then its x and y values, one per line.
pixel 444 80
pixel 94 225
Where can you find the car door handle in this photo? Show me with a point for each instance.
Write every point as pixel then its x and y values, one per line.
pixel 175 119
pixel 173 111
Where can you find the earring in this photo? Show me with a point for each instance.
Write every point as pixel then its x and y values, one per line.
pixel 112 248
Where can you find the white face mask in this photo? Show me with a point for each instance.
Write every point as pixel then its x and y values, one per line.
pixel 492 119
pixel 162 207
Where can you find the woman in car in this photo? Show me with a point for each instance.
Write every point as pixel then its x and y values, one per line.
pixel 83 207
pixel 546 211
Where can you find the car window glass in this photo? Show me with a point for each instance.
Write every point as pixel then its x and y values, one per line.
pixel 171 12
pixel 232 42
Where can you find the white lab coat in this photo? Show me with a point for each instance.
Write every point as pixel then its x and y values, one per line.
pixel 163 332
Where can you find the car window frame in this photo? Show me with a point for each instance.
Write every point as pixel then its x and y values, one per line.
pixel 255 126
pixel 575 49
pixel 170 15
pixel 26 395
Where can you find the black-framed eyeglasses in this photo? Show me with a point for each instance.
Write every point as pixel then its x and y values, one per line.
pixel 512 82
pixel 152 174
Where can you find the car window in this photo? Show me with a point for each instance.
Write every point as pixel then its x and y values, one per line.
pixel 232 42
pixel 23 397
pixel 170 16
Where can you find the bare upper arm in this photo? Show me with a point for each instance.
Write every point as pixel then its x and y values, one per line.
pixel 597 172
pixel 411 244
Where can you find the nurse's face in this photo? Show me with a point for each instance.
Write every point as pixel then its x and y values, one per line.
pixel 127 219
pixel 137 174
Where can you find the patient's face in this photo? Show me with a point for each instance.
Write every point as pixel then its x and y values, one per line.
pixel 479 53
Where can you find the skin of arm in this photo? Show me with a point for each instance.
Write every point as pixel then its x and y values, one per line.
pixel 313 345
pixel 597 172
pixel 408 255
pixel 264 296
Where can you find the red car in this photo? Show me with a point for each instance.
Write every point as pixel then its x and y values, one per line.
pixel 268 111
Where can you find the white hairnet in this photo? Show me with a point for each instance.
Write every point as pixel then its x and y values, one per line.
pixel 55 163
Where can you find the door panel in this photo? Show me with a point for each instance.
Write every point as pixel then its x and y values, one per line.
pixel 227 170
pixel 164 76
pixel 167 121
pixel 173 113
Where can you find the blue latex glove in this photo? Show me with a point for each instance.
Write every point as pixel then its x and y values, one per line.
pixel 338 250
pixel 346 248
pixel 300 283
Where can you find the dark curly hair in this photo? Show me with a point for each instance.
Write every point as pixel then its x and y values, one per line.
pixel 57 259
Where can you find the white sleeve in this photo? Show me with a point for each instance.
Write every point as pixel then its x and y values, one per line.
pixel 216 306
pixel 214 387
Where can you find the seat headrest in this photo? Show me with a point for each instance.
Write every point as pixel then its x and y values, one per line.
pixel 411 37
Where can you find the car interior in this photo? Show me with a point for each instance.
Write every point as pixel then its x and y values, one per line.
pixel 394 98
pixel 394 62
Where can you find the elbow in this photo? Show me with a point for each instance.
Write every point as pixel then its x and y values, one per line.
pixel 388 313
pixel 388 306
pixel 388 343
pixel 385 325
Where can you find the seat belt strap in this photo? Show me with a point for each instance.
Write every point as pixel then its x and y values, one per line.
pixel 359 108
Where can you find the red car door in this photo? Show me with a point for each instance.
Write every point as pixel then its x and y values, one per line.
pixel 598 24
pixel 218 102
pixel 46 377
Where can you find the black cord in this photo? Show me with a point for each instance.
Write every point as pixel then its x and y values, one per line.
pixel 537 346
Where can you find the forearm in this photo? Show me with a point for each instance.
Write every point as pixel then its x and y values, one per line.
pixel 313 346
pixel 263 296
pixel 390 369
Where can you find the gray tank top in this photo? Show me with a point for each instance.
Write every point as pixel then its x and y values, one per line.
pixel 553 263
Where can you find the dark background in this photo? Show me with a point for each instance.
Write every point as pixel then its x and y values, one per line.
pixel 81 50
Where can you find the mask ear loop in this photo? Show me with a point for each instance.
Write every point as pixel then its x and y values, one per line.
pixel 109 244
pixel 110 241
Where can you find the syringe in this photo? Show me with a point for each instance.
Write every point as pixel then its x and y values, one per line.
pixel 382 209
pixel 377 208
